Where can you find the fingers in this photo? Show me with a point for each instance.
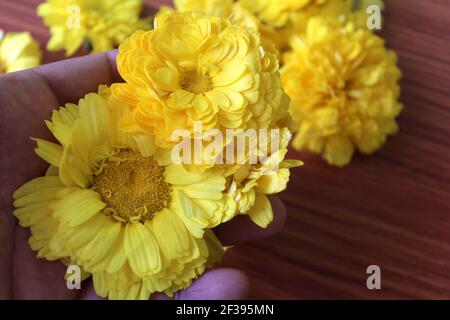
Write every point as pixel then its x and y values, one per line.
pixel 71 79
pixel 217 284
pixel 242 229
pixel 88 291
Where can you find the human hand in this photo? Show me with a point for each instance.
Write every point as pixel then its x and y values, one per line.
pixel 26 99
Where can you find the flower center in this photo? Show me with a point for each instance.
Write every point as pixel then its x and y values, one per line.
pixel 133 187
pixel 196 83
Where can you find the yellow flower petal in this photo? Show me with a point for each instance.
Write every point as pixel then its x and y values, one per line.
pixel 48 151
pixel 261 213
pixel 171 234
pixel 119 257
pixel 36 185
pixel 43 195
pixel 338 151
pixel 142 250
pixel 210 188
pixel 273 183
pixel 94 112
pixel 79 236
pixel 101 244
pixel 79 207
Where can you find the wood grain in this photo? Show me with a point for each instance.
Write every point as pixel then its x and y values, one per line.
pixel 392 209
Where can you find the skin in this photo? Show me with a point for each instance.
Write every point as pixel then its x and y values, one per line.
pixel 26 100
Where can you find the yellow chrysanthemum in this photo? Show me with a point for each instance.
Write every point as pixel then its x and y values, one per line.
pixel 280 20
pixel 18 51
pixel 218 8
pixel 344 89
pixel 277 13
pixel 195 67
pixel 249 184
pixel 349 10
pixel 104 24
pixel 230 9
pixel 116 206
pixel 328 9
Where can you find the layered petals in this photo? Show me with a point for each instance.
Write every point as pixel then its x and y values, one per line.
pixel 344 86
pixel 198 68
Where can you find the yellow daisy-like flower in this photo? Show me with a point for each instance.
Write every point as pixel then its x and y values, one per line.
pixel 196 67
pixel 116 206
pixel 104 24
pixel 343 83
pixel 18 51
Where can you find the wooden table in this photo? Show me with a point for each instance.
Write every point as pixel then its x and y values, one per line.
pixel 391 210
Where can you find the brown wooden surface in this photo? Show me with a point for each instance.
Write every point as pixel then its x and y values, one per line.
pixel 392 209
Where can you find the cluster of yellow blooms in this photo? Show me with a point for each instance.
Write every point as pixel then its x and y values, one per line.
pixel 100 25
pixel 115 202
pixel 343 82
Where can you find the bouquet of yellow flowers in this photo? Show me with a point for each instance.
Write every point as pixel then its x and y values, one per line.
pixel 197 133
pixel 131 201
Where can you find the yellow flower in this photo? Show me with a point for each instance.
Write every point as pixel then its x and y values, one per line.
pixel 195 67
pixel 218 8
pixel 280 20
pixel 228 9
pixel 349 10
pixel 277 13
pixel 103 23
pixel 116 206
pixel 328 9
pixel 18 51
pixel 343 83
pixel 249 185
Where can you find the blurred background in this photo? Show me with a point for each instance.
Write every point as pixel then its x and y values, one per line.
pixel 390 210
